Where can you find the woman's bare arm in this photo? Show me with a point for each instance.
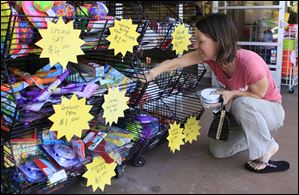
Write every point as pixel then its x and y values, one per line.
pixel 188 59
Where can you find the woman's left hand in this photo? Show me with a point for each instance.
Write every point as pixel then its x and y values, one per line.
pixel 226 95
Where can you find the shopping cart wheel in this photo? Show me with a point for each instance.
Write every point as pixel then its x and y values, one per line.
pixel 139 161
pixel 119 170
pixel 291 90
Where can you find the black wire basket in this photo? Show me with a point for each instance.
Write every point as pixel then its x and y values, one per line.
pixel 165 111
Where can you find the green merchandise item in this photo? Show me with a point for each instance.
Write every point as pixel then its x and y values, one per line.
pixel 82 17
pixel 289 44
pixel 43 6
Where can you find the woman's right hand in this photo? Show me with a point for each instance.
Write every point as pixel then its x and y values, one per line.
pixel 149 76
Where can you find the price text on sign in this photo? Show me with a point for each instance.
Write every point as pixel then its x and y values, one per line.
pixel 175 137
pixel 115 102
pixel 99 173
pixel 112 105
pixel 123 36
pixel 191 129
pixel 180 39
pixel 71 117
pixel 60 43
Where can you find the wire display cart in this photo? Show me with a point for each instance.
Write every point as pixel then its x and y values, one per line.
pixel 152 105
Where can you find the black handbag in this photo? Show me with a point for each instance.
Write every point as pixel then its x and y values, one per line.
pixel 219 128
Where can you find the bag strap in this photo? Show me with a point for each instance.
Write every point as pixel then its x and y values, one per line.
pixel 222 115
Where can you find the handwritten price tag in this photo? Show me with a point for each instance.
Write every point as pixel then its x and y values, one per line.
pixel 115 102
pixel 191 130
pixel 60 43
pixel 175 137
pixel 112 105
pixel 180 39
pixel 123 36
pixel 99 173
pixel 71 117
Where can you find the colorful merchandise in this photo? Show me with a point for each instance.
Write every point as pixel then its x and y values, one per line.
pixel 65 10
pixel 150 126
pixel 26 32
pixel 49 138
pixel 89 90
pixel 57 3
pixel 43 6
pixel 23 150
pixel 101 25
pixel 114 78
pixel 30 79
pixel 52 71
pixel 32 173
pixel 48 167
pixel 19 98
pixel 70 11
pixel 82 14
pixel 19 7
pixel 92 69
pixel 78 147
pixel 135 128
pixel 44 76
pixel 62 154
pixel 24 49
pixel 39 18
pixel 98 11
pixel 12 40
pixel 29 117
pixel 5 13
pixel 60 10
pixel 8 109
pixel 45 94
pixel 96 140
pixel 82 11
pixel 93 138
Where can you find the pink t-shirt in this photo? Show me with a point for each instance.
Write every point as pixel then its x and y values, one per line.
pixel 250 69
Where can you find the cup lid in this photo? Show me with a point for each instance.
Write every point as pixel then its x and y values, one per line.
pixel 209 95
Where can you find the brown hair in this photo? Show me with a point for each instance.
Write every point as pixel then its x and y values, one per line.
pixel 221 28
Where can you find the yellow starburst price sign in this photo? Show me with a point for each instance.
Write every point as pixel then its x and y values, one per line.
pixel 175 137
pixel 115 102
pixel 60 43
pixel 71 117
pixel 99 173
pixel 191 130
pixel 180 39
pixel 123 36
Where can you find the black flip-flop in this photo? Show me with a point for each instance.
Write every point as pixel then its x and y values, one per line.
pixel 271 166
